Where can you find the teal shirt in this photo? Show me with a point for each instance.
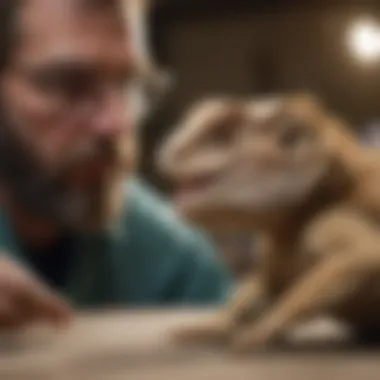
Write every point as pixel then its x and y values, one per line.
pixel 151 257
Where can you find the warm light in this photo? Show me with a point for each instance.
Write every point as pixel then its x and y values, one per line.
pixel 364 40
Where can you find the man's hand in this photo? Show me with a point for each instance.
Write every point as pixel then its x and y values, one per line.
pixel 24 300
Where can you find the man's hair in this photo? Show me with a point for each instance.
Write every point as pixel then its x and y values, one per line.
pixel 8 23
pixel 8 10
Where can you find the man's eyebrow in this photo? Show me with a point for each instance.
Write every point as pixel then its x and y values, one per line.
pixel 101 5
pixel 63 64
pixel 78 65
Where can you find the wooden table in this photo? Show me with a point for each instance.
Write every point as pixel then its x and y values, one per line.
pixel 134 345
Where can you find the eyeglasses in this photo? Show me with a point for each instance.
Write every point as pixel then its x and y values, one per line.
pixel 74 84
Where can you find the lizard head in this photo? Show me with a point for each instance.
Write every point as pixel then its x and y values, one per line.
pixel 239 162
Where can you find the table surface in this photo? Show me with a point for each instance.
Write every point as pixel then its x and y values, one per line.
pixel 136 345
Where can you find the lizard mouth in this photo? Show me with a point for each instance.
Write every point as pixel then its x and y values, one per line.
pixel 192 189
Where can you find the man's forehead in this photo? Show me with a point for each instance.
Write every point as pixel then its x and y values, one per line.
pixel 58 28
pixel 45 13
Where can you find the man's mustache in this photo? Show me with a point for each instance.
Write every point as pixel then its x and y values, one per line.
pixel 105 152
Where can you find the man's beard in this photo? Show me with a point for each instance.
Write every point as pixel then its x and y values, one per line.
pixel 49 197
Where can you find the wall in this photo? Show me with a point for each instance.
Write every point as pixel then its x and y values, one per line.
pixel 261 52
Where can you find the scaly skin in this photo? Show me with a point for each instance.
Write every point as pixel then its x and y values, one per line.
pixel 292 172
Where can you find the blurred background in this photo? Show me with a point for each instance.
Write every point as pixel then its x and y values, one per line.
pixel 213 47
pixel 261 46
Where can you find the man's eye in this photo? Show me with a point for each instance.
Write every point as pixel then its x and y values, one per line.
pixel 71 85
pixel 68 82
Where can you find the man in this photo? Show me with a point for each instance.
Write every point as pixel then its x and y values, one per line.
pixel 74 224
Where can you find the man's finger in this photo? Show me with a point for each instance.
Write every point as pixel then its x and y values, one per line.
pixel 10 315
pixel 45 305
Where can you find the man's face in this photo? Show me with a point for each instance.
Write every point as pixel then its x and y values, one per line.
pixel 67 117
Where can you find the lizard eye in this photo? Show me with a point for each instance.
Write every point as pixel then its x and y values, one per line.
pixel 223 133
pixel 293 135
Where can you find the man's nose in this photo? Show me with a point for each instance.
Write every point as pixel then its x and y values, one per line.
pixel 112 116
